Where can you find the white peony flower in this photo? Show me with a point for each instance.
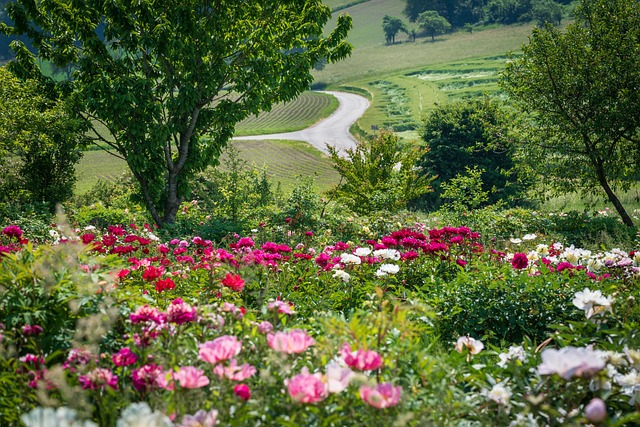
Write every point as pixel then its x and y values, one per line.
pixel 338 377
pixel 592 302
pixel 499 393
pixel 515 352
pixel 529 236
pixel 350 259
pixel 569 362
pixel 390 254
pixel 362 251
pixel 49 417
pixel 342 275
pixel 474 346
pixel 387 269
pixel 140 415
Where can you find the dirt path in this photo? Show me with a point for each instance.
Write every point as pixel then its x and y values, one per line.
pixel 334 130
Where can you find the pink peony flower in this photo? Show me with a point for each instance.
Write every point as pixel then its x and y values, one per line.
pixel 221 348
pixel 381 396
pixel 147 314
pixel 124 357
pixel 364 360
pixel 265 327
pixel 180 312
pixel 294 341
pixel 149 377
pixel 191 377
pixel 306 387
pixel 281 307
pixel 99 378
pixel 242 391
pixel 596 410
pixel 234 372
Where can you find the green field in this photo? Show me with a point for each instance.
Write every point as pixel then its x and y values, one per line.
pixel 283 161
pixel 300 113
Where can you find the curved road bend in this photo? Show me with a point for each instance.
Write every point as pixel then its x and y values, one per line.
pixel 334 130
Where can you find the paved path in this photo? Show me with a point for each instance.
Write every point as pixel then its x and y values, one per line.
pixel 334 130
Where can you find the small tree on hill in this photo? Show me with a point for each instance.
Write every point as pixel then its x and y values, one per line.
pixel 392 26
pixel 170 79
pixel 432 23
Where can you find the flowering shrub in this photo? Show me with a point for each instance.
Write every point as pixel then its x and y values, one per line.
pixel 418 326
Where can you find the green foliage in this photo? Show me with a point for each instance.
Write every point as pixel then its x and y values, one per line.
pixel 471 134
pixel 379 175
pixel 391 26
pixel 580 87
pixel 505 305
pixel 39 143
pixel 464 192
pixel 170 107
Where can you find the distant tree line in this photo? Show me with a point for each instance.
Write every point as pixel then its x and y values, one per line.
pixel 460 13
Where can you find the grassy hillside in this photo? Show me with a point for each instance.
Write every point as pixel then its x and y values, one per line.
pixel 283 161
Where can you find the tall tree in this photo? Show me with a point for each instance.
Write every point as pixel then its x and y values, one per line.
pixel 169 79
pixel 432 23
pixel 581 88
pixel 391 27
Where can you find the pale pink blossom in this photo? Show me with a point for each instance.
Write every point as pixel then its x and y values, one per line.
pixel 294 341
pixel 281 307
pixel 98 379
pixel 474 346
pixel 221 348
pixel 364 360
pixel 569 362
pixel 338 377
pixel 233 371
pixel 191 377
pixel 306 387
pixel 201 418
pixel 381 396
pixel 265 327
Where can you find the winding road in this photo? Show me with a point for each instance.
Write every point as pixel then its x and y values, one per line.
pixel 334 130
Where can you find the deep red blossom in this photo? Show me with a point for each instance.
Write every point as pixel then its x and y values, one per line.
pixel 234 282
pixel 165 284
pixel 520 261
pixel 12 231
pixel 151 273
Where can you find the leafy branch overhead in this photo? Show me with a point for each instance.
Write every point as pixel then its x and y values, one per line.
pixel 169 80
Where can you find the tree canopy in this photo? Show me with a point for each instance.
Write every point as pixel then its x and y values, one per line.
pixel 169 79
pixel 581 88
pixel 391 27
pixel 432 23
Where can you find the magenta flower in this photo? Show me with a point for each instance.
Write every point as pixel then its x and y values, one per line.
pixel 149 377
pixel 381 396
pixel 34 330
pixel 151 273
pixel 242 391
pixel 124 357
pixel 234 372
pixel 98 379
pixel 520 261
pixel 180 312
pixel 12 231
pixel 221 348
pixel 191 377
pixel 306 387
pixel 364 360
pixel 294 341
pixel 78 357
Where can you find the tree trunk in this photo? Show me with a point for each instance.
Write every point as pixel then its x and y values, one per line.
pixel 602 179
pixel 172 202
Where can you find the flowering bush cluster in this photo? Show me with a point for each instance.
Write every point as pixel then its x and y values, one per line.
pixel 417 327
